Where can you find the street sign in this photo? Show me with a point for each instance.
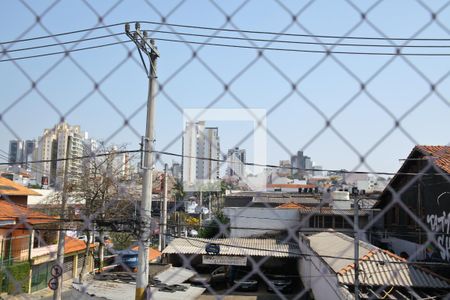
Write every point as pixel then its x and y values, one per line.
pixel 53 283
pixel 56 271
pixel 224 260
pixel 212 248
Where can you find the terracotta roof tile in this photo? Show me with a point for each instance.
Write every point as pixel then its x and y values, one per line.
pixel 11 188
pixel 152 253
pixel 291 205
pixel 441 155
pixel 18 213
pixel 74 245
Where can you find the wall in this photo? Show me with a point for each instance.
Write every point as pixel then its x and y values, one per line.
pixel 21 244
pixel 316 275
pixel 251 221
pixel 400 245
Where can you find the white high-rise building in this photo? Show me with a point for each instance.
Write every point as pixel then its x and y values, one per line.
pixel 236 162
pixel 201 155
pixel 52 145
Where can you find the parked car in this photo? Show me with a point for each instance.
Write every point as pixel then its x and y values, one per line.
pixel 281 283
pixel 217 276
pixel 202 280
pixel 246 283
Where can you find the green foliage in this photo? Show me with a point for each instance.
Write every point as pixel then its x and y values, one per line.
pixel 122 240
pixel 14 278
pixel 35 186
pixel 211 229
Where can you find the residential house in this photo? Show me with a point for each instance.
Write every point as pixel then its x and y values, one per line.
pixel 327 270
pixel 416 202
pixel 28 242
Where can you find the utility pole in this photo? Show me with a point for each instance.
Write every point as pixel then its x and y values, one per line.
pixel 62 234
pixel 201 207
pixel 148 48
pixel 164 210
pixel 356 240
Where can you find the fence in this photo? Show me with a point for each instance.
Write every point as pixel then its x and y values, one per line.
pixel 306 144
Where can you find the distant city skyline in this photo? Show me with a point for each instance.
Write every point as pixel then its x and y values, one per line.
pixel 342 112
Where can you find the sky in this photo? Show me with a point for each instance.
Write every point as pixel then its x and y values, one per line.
pixel 328 87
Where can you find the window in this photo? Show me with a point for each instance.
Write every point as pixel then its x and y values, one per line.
pixel 395 215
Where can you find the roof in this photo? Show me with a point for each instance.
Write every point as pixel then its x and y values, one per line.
pixel 74 245
pixel 291 186
pixel 22 214
pixel 331 211
pixel 152 253
pixel 378 267
pixel 291 205
pixel 11 188
pixel 234 246
pixel 281 200
pixel 440 154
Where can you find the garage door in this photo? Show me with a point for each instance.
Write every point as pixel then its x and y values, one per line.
pixel 80 262
pixel 68 268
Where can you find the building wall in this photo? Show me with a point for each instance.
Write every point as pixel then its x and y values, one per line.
pixel 316 274
pixel 428 199
pixel 53 145
pixel 252 221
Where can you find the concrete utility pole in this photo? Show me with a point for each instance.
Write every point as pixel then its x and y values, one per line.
pixel 164 210
pixel 356 241
pixel 62 215
pixel 148 48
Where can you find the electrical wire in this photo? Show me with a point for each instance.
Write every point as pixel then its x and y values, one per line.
pixel 244 163
pixel 64 52
pixel 313 43
pixel 295 34
pixel 63 43
pixel 216 29
pixel 61 34
pixel 327 52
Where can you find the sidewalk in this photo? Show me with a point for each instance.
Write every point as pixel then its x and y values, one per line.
pixel 68 293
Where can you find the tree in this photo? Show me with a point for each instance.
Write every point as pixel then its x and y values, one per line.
pixel 100 190
pixel 217 227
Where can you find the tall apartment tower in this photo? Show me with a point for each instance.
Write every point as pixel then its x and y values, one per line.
pixel 21 152
pixel 52 145
pixel 236 162
pixel 15 151
pixel 201 154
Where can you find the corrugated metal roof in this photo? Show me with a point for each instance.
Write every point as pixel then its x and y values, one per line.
pixel 280 200
pixel 234 246
pixel 393 272
pixel 378 267
pixel 329 211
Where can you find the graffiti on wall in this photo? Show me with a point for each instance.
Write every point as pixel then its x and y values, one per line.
pixel 440 225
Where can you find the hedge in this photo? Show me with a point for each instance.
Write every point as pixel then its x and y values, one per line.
pixel 14 278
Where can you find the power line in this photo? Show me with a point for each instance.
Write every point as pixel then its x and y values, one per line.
pixel 61 34
pixel 314 43
pixel 293 168
pixel 66 52
pixel 62 43
pixel 397 51
pixel 216 29
pixel 295 34
pixel 224 161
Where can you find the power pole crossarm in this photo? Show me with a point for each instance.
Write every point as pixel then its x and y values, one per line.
pixel 148 48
